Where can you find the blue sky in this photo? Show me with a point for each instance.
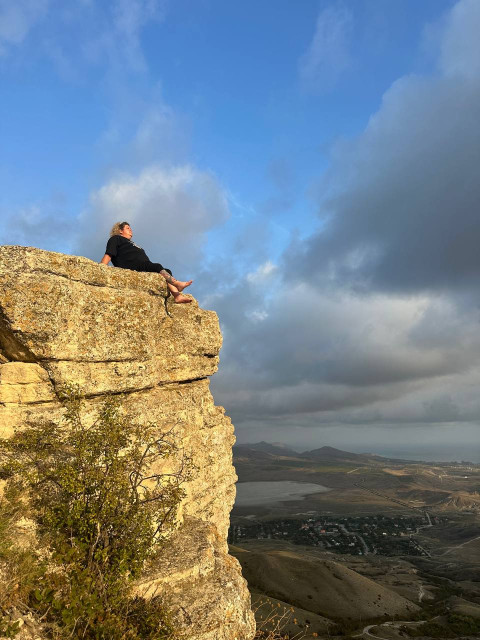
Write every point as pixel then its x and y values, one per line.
pixel 228 73
pixel 312 165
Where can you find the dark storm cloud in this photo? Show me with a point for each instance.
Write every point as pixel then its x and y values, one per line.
pixel 318 352
pixel 402 200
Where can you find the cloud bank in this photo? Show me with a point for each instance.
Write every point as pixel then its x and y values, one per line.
pixel 401 200
pixel 375 316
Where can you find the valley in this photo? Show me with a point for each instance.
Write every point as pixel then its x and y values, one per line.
pixel 390 540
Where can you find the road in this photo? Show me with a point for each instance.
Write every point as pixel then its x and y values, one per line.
pixel 425 526
pixel 360 485
pixel 342 527
pixel 392 623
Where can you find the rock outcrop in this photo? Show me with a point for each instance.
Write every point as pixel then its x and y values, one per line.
pixel 66 319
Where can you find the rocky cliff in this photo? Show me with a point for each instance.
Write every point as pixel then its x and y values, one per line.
pixel 67 319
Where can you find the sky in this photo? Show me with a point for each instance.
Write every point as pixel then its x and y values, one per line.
pixel 313 166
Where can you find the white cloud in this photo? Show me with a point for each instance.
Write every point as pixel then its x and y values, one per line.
pixel 263 273
pixel 130 16
pixel 258 316
pixel 17 18
pixel 117 41
pixel 106 34
pixel 170 210
pixel 460 46
pixel 144 131
pixel 328 54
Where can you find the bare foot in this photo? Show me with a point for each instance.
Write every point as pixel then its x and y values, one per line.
pixel 182 299
pixel 182 285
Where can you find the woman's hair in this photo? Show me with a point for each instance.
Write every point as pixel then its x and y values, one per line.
pixel 117 227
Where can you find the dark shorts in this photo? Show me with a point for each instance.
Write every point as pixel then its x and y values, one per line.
pixel 152 267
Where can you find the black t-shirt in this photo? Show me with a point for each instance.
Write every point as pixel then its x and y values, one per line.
pixel 125 253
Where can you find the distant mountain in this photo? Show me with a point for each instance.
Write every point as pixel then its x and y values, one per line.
pixel 268 452
pixel 330 454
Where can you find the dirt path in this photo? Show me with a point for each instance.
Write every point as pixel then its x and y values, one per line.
pixel 459 545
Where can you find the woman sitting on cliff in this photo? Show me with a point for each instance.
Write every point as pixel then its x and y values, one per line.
pixel 125 254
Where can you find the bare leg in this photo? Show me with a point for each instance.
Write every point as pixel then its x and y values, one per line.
pixel 178 284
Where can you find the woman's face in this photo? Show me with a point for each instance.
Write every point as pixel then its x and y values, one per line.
pixel 126 232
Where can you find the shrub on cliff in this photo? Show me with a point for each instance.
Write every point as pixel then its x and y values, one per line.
pixel 19 567
pixel 100 510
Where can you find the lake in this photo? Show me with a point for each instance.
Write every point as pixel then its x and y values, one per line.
pixel 267 493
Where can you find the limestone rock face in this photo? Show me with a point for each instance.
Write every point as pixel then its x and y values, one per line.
pixel 66 319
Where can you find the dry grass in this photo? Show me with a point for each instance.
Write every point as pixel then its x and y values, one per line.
pixel 319 586
pixel 274 621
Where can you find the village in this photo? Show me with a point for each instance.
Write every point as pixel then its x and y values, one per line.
pixel 362 535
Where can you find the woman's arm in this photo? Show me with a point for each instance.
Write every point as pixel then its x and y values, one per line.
pixel 106 259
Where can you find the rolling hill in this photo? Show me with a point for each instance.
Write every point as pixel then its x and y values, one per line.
pixel 323 587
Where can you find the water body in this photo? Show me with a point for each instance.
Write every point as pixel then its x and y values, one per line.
pixel 251 494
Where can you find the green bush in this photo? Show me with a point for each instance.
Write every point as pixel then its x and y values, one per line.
pixel 101 511
pixel 455 625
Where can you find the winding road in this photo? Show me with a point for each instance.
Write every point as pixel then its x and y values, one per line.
pixel 391 623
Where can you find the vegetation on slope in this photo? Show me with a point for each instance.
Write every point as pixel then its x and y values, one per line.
pixel 99 512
